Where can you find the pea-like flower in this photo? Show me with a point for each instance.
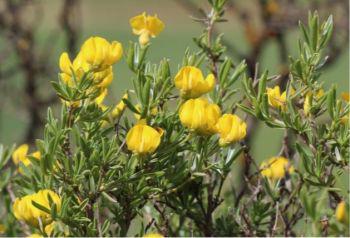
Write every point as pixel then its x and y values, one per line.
pixel 24 210
pixel 99 53
pixel 146 26
pixel 276 167
pixel 20 155
pixel 341 213
pixel 200 116
pixel 191 83
pixel 143 139
pixel 276 99
pixel 231 129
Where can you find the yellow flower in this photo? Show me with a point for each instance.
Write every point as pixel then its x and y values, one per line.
pixel 49 228
pixel 191 83
pixel 154 111
pixel 275 168
pixel 309 100
pixel 146 27
pixel 231 129
pixel 21 155
pixel 67 67
pixel 101 97
pixel 119 108
pixel 200 116
pixel 272 7
pixel 98 52
pixel 275 98
pixel 153 235
pixel 341 213
pixel 2 229
pixel 35 235
pixel 143 139
pixel 345 96
pixel 24 209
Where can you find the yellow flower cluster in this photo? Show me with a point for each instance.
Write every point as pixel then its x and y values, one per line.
pixel 196 113
pixel 20 155
pixel 276 167
pixel 96 57
pixel 201 116
pixel 24 210
pixel 146 26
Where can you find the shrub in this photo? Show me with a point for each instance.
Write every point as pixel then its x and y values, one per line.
pixel 102 171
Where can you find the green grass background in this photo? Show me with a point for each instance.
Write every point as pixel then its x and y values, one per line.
pixel 110 19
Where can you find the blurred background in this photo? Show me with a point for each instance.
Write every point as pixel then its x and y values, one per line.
pixel 33 33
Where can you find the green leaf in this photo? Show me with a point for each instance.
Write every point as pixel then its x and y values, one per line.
pixel 262 86
pixel 40 207
pixel 224 70
pixel 130 56
pixel 130 106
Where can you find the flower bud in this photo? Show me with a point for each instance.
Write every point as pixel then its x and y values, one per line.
pixel 190 81
pixel 276 167
pixel 200 116
pixel 231 129
pixel 341 213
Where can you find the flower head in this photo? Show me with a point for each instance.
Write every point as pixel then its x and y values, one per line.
pixel 96 56
pixel 143 139
pixel 231 129
pixel 200 116
pixel 341 213
pixel 146 26
pixel 276 167
pixel 191 83
pixel 24 209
